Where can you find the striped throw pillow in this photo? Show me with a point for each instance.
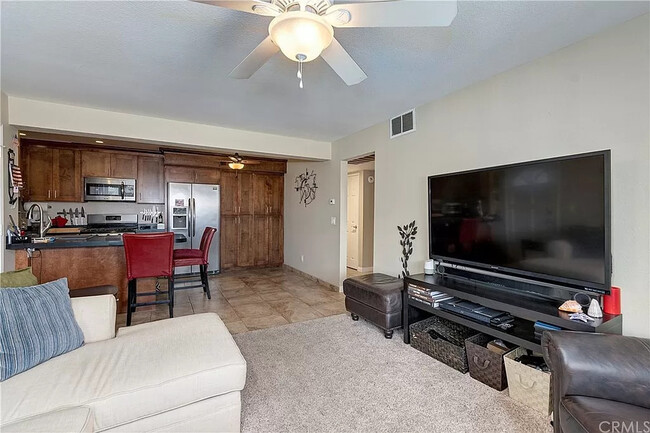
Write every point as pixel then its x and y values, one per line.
pixel 37 323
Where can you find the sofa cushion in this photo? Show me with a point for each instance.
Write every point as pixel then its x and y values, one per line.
pixel 146 370
pixel 589 414
pixel 67 420
pixel 37 324
pixel 19 278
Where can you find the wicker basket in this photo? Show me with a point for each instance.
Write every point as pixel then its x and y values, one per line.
pixel 530 386
pixel 484 365
pixel 451 352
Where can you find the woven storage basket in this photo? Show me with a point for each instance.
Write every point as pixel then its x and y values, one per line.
pixel 484 365
pixel 525 384
pixel 450 352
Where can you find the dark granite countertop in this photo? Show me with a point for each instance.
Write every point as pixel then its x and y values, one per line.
pixel 78 241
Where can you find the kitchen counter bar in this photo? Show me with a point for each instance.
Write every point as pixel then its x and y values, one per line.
pixel 105 241
pixel 86 265
pixel 80 241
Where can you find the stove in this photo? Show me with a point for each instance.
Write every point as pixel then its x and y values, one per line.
pixel 111 224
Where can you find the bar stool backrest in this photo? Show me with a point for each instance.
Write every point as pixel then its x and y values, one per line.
pixel 149 255
pixel 206 241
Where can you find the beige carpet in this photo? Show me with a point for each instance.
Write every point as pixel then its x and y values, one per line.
pixel 336 375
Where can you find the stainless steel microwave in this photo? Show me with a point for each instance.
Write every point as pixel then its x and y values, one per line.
pixel 109 189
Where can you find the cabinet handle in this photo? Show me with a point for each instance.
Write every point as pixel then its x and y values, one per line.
pixel 140 196
pixel 54 193
pixel 48 193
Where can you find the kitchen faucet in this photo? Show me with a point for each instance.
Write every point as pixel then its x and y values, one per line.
pixel 30 215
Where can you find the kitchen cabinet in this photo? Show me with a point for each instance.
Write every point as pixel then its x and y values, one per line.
pixel 184 174
pixel 95 164
pixel 151 179
pixel 254 202
pixel 229 240
pixel 109 164
pixel 236 193
pixel 52 174
pixel 237 241
pixel 268 248
pixel 66 166
pixel 268 192
pixel 125 166
pixel 207 175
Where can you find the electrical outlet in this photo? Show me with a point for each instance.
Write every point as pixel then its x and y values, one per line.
pixel 333 221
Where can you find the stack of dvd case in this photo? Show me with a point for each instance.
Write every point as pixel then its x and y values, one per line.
pixel 426 296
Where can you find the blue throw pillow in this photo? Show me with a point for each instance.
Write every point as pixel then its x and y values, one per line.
pixel 36 323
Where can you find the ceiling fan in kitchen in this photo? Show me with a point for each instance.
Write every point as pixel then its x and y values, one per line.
pixel 304 29
pixel 236 162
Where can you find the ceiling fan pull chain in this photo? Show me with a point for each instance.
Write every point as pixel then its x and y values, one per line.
pixel 300 58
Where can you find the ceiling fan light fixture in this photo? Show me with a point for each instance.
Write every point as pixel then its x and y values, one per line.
pixel 236 165
pixel 301 35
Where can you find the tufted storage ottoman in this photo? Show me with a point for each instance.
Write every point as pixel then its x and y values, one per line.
pixel 377 298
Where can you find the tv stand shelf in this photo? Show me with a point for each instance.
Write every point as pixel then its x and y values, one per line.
pixel 526 310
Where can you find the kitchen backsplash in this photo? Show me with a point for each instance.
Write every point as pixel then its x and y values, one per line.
pixel 52 209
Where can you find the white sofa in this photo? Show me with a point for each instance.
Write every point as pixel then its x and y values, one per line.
pixel 175 375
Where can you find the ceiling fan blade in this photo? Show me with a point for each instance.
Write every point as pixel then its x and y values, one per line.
pixel 339 59
pixel 396 13
pixel 257 7
pixel 260 55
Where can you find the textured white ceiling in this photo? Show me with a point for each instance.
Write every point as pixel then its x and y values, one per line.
pixel 172 59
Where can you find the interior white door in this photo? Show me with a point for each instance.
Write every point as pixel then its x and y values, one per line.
pixel 353 220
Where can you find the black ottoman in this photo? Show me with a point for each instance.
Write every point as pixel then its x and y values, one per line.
pixel 377 298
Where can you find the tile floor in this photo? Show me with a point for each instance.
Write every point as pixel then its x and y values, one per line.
pixel 252 299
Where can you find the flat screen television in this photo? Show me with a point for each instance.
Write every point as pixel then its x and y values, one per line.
pixel 545 221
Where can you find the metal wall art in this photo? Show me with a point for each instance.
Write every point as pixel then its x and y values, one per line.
pixel 306 186
pixel 407 236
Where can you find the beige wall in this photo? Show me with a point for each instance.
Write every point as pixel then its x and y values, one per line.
pixel 69 119
pixel 6 143
pixel 589 96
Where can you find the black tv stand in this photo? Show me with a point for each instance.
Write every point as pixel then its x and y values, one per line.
pixel 525 309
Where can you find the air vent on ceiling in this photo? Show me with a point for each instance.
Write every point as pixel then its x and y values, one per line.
pixel 403 124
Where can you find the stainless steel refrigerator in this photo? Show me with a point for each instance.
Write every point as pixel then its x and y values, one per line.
pixel 191 207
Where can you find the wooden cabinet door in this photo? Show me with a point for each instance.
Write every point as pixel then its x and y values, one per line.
pixel 246 241
pixel 260 243
pixel 229 241
pixel 206 175
pixel 261 194
pixel 95 164
pixel 229 190
pixel 276 240
pixel 124 165
pixel 151 182
pixel 245 193
pixel 66 175
pixel 178 174
pixel 38 176
pixel 276 194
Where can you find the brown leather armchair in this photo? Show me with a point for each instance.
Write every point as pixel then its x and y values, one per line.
pixel 601 382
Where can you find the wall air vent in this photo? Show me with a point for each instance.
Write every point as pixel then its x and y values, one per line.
pixel 403 124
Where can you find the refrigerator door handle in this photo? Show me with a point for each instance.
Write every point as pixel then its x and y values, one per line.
pixel 194 217
pixel 189 218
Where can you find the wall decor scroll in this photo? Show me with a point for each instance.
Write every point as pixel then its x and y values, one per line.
pixel 305 184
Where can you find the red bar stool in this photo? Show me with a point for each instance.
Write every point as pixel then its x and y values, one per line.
pixel 193 257
pixel 149 256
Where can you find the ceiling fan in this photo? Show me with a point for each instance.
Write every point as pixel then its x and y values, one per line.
pixel 236 162
pixel 303 29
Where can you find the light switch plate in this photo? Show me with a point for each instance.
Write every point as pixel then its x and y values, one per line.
pixel 333 221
